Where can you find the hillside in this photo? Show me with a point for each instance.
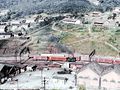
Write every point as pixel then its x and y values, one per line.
pixel 49 6
pixel 57 6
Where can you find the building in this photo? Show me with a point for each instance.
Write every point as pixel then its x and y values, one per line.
pixel 71 21
pixel 99 76
pixel 109 23
pixel 3 12
pixel 95 14
pixel 15 22
pixel 98 22
pixel 7 71
pixel 89 75
pixel 5 35
pixel 2 28
pixel 111 77
pixel 116 10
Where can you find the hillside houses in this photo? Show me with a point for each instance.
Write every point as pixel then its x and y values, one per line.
pixel 2 28
pixel 3 12
pixel 5 35
pixel 116 10
pixel 99 76
pixel 95 14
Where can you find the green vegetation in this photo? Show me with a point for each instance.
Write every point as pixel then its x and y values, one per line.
pixel 98 28
pixel 82 87
pixel 70 27
pixel 84 42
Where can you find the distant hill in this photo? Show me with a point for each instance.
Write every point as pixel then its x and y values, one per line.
pixel 57 6
pixel 108 4
pixel 49 6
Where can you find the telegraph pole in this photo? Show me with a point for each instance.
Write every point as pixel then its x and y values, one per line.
pixel 75 80
pixel 44 82
pixel 16 51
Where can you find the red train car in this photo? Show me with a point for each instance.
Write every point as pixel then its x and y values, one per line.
pixel 56 58
pixel 117 62
pixel 104 60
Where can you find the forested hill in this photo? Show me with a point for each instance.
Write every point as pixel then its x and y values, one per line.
pixel 57 6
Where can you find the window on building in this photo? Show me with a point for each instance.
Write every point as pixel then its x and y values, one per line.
pixel 80 77
pixel 86 77
pixel 105 80
pixel 113 81
pixel 95 79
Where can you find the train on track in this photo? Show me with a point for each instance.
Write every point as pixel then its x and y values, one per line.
pixel 74 58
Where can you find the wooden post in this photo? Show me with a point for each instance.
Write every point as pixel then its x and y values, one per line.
pixel 44 81
pixel 100 83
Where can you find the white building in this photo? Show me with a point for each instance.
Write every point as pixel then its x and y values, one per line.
pixel 109 23
pixel 95 14
pixel 2 28
pixel 116 10
pixel 95 75
pixel 15 22
pixel 89 75
pixel 5 36
pixel 71 21
pixel 3 12
pixel 111 77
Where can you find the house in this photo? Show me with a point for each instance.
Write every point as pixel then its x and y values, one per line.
pixel 89 75
pixel 30 20
pixel 98 22
pixel 71 21
pixel 3 12
pixel 2 28
pixel 95 14
pixel 109 23
pixel 96 2
pixel 7 71
pixel 13 28
pixel 5 35
pixel 15 22
pixel 116 10
pixel 111 77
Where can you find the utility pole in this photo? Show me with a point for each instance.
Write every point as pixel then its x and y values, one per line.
pixel 44 82
pixel 16 51
pixel 41 75
pixel 75 80
pixel 100 83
